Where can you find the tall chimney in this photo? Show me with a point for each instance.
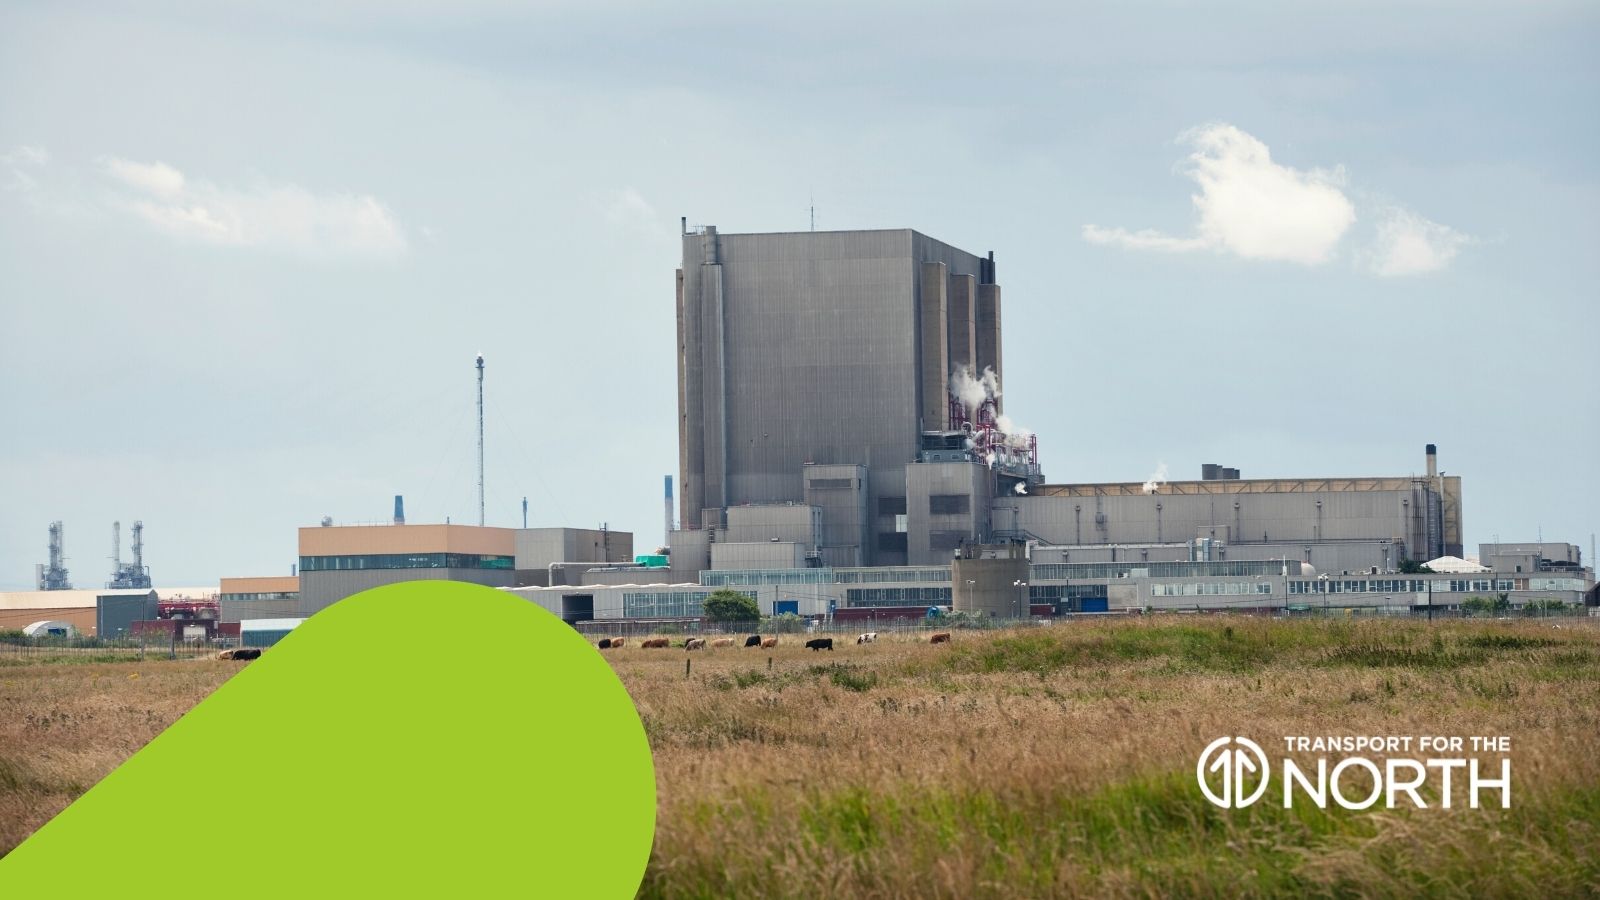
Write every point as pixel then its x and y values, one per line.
pixel 1433 462
pixel 667 535
pixel 399 510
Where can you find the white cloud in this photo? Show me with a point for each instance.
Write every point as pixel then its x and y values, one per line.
pixel 153 178
pixel 17 161
pixel 1249 205
pixel 283 217
pixel 628 209
pixel 1408 244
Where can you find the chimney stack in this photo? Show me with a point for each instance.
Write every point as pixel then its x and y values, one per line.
pixel 1433 462
pixel 399 510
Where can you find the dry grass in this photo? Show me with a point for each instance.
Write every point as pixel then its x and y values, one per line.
pixel 1059 762
pixel 1047 762
pixel 64 725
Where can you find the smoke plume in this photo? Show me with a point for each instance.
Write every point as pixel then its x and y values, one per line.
pixel 1157 479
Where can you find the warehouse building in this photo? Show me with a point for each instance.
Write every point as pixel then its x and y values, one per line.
pixel 105 613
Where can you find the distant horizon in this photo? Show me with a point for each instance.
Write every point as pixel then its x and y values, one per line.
pixel 250 253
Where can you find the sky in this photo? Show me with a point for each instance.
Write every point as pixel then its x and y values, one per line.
pixel 249 251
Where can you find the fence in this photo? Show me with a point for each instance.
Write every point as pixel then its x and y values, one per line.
pixel 22 649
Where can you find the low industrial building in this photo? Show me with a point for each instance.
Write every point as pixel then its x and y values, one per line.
pixel 262 597
pixel 103 613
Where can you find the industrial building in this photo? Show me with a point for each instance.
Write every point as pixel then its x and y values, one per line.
pixel 844 450
pixel 104 613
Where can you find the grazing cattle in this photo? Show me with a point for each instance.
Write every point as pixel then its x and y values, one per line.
pixel 655 643
pixel 605 643
pixel 753 640
pixel 240 653
pixel 819 644
pixel 942 637
pixel 722 642
pixel 694 644
pixel 870 637
pixel 618 642
pixel 769 643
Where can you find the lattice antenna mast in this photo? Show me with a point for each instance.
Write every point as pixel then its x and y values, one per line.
pixel 480 438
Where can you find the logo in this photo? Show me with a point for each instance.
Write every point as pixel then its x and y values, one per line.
pixel 1369 769
pixel 1233 763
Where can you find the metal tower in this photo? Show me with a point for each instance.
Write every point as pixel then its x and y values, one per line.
pixel 53 576
pixel 126 576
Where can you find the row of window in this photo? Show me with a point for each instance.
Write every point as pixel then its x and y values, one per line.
pixel 252 598
pixel 893 573
pixel 662 603
pixel 724 577
pixel 1051 593
pixel 405 561
pixel 1210 588
pixel 897 596
pixel 1223 568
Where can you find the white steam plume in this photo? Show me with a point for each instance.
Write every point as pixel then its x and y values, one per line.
pixel 1022 488
pixel 1157 479
pixel 973 391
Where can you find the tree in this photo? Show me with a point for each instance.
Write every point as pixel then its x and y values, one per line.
pixel 784 623
pixel 725 605
pixel 1412 567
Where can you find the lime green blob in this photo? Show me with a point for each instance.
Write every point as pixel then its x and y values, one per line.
pixel 420 739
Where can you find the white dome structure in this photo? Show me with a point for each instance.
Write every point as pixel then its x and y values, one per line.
pixel 50 628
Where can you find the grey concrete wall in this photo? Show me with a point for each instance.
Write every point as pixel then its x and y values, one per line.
pixel 1237 518
pixel 934 536
pixel 990 586
pixel 539 547
pixel 817 337
pixel 987 324
pixel 257 609
pixel 963 323
pixel 840 493
pixel 797 523
pixel 933 310
pixel 319 590
pixel 761 555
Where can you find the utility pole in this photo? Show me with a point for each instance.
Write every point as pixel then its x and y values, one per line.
pixel 480 438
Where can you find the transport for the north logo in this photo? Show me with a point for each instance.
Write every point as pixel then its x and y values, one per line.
pixel 1234 772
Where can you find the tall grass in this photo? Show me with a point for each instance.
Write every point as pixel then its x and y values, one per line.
pixel 1060 762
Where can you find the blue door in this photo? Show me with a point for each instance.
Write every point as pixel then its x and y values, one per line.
pixel 1095 604
pixel 786 606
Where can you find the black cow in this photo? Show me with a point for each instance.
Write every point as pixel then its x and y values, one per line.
pixel 605 643
pixel 753 640
pixel 819 644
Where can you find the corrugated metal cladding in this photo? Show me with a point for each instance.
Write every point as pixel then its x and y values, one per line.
pixel 277 584
pixel 804 348
pixel 319 590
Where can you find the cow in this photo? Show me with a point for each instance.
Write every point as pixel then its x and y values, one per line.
pixel 618 642
pixel 820 644
pixel 694 644
pixel 753 640
pixel 769 643
pixel 942 637
pixel 655 643
pixel 870 637
pixel 605 643
pixel 722 642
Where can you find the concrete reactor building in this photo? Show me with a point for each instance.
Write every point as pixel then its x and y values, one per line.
pixel 817 368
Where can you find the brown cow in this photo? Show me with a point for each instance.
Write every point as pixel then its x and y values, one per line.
pixel 722 642
pixel 942 637
pixel 655 643
pixel 618 642
pixel 769 643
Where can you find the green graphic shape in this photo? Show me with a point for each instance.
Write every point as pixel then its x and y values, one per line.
pixel 421 739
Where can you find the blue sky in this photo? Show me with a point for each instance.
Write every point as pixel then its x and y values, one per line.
pixel 248 253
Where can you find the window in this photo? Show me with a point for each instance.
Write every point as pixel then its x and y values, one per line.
pixel 892 542
pixel 891 506
pixel 949 504
pixel 405 561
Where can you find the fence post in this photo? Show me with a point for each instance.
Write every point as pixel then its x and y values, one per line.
pixel 769 664
pixel 687 662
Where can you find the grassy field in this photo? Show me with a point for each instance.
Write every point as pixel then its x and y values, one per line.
pixel 1044 762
